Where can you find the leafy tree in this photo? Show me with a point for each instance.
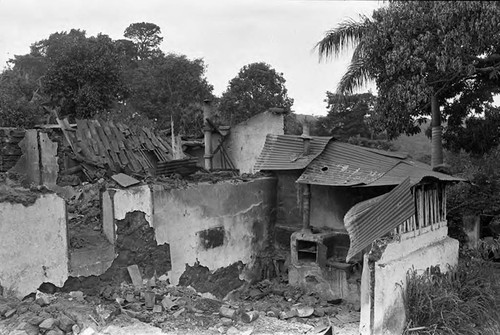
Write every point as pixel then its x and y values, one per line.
pixel 167 86
pixel 81 75
pixel 255 89
pixel 347 115
pixel 19 100
pixel 477 135
pixel 422 55
pixel 146 37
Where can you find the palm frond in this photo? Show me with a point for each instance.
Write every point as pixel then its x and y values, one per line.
pixel 348 33
pixel 357 76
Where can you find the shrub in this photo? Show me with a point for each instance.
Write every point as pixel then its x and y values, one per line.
pixel 465 300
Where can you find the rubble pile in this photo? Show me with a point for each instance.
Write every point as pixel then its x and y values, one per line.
pixel 175 309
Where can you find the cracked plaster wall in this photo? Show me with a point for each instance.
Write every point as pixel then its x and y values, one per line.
pixel 243 211
pixel 34 244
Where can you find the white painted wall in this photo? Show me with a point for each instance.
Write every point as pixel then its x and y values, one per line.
pixel 34 245
pixel 242 209
pixel 417 252
pixel 246 140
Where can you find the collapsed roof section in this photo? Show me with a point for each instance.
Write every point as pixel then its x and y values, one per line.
pixel 117 148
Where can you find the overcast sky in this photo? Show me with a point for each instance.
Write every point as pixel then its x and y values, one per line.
pixel 227 34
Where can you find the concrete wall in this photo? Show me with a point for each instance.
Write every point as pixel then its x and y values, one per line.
pixel 215 224
pixel 246 140
pixel 34 244
pixel 385 279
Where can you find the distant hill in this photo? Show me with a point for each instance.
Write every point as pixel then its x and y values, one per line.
pixel 417 146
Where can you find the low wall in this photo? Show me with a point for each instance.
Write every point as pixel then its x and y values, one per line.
pixel 214 224
pixel 384 280
pixel 34 244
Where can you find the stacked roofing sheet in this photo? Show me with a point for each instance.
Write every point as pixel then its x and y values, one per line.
pixel 116 147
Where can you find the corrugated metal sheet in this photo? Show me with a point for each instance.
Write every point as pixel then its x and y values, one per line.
pixel 343 164
pixel 285 152
pixel 416 171
pixel 372 219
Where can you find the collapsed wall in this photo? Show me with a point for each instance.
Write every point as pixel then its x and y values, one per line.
pixel 34 242
pixel 135 245
pixel 215 225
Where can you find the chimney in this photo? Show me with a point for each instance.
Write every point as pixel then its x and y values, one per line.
pixel 207 129
pixel 306 188
pixel 306 138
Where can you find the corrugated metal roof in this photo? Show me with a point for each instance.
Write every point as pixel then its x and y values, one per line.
pixel 372 219
pixel 344 164
pixel 416 171
pixel 285 152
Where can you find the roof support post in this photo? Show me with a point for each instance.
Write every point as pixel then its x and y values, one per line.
pixel 207 129
pixel 306 207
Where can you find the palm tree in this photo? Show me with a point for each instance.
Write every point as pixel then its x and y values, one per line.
pixel 348 34
pixel 351 33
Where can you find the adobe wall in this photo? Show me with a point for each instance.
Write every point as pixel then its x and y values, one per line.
pixel 214 224
pixel 34 244
pixel 385 279
pixel 246 140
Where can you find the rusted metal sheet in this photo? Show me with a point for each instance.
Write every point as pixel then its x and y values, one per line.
pixel 374 218
pixel 285 152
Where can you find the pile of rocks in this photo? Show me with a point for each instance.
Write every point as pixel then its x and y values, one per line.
pixel 37 314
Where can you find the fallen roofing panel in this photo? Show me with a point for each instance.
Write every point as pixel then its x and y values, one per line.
pixel 285 152
pixel 374 218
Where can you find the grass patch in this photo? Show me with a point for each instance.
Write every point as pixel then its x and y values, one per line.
pixel 465 300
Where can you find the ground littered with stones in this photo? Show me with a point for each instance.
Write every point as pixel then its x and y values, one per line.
pixel 160 308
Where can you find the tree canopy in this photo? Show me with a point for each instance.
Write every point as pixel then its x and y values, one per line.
pixel 255 89
pixel 129 80
pixel 146 37
pixel 416 50
pixel 347 116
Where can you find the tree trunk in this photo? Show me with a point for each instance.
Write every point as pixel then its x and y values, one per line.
pixel 437 143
